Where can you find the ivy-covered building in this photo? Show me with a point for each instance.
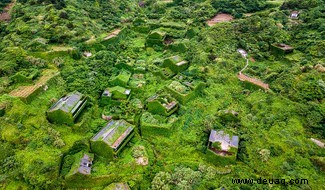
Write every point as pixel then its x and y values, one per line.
pixel 281 49
pixel 156 125
pixel 115 93
pixel 121 79
pixel 137 82
pixel 162 103
pixel 81 166
pixel 184 89
pixel 155 38
pixel 176 64
pixel 110 140
pixel 67 109
pixel 222 148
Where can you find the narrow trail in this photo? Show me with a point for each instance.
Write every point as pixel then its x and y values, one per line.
pixel 255 81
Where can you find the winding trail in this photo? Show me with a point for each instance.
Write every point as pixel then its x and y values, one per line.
pixel 255 81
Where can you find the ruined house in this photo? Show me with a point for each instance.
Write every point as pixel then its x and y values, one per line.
pixel 67 109
pixel 155 38
pixel 85 165
pixel 184 89
pixel 222 147
pixel 176 64
pixel 115 93
pixel 162 104
pixel 110 140
pixel 281 49
pixel 81 166
pixel 121 79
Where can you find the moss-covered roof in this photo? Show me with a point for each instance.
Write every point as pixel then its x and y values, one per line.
pixel 68 102
pixel 114 133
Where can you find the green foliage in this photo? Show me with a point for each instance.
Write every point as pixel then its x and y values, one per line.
pixel 274 127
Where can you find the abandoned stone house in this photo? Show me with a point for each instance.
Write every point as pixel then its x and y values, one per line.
pixel 176 64
pixel 281 49
pixel 155 38
pixel 162 104
pixel 110 140
pixel 121 79
pixel 81 167
pixel 115 93
pixel 184 88
pixel 156 125
pixel 222 145
pixel 87 54
pixel 85 165
pixel 67 109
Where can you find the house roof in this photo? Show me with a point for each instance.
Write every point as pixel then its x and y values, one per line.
pixel 69 102
pixel 284 46
pixel 85 165
pixel 224 139
pixel 165 100
pixel 242 52
pixel 176 59
pixel 294 14
pixel 114 133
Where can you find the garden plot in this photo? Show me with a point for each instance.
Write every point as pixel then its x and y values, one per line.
pixel 221 17
pixel 26 92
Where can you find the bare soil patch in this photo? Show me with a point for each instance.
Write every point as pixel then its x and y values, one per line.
pixel 112 34
pixel 143 161
pixel 255 81
pixel 5 16
pixel 221 17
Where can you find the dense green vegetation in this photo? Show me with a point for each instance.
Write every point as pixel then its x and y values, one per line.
pixel 274 127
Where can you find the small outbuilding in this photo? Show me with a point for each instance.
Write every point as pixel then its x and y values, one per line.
pixel 110 140
pixel 67 109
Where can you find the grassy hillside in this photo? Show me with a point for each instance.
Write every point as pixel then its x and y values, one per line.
pixel 274 127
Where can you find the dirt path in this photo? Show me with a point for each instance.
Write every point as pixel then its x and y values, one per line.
pixel 5 16
pixel 112 34
pixel 255 81
pixel 221 17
